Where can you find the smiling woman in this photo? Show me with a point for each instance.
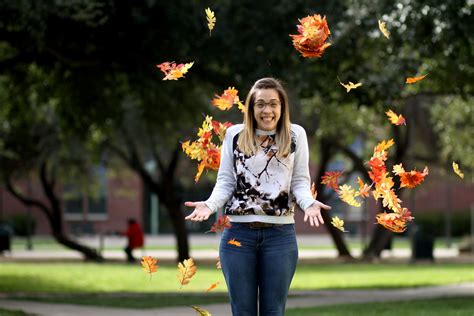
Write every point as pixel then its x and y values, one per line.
pixel 263 173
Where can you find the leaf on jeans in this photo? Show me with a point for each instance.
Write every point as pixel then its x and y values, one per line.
pixel 457 170
pixel 201 311
pixel 234 242
pixel 186 271
pixel 338 223
pixel 222 223
pixel 149 264
pixel 212 287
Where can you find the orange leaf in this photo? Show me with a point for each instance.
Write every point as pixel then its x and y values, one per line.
pixel 394 222
pixel 222 223
pixel 173 71
pixel 186 271
pixel 227 99
pixel 234 242
pixel 395 119
pixel 212 287
pixel 363 188
pixel 384 145
pixel 149 264
pixel 415 79
pixel 313 33
pixel 413 178
pixel 314 193
pixel 330 178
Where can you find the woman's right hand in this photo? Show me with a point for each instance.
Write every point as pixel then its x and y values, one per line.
pixel 201 211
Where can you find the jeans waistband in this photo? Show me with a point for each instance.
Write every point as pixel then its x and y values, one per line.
pixel 258 225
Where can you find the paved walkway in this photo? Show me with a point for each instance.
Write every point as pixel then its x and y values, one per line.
pixel 303 299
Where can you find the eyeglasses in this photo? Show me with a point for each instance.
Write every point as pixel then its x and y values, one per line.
pixel 262 105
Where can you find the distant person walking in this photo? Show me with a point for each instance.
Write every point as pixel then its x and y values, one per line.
pixel 135 238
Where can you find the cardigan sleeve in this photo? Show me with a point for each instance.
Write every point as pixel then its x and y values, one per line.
pixel 226 179
pixel 300 181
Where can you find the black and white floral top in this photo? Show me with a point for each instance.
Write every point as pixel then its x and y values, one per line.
pixel 262 187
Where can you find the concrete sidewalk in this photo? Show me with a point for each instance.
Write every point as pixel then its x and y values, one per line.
pixel 303 299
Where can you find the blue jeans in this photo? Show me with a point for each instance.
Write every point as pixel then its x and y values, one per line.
pixel 260 270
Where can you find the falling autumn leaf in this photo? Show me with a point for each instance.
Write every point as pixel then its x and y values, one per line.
pixel 383 29
pixel 314 193
pixel 201 312
pixel 228 98
pixel 218 263
pixel 409 179
pixel 338 223
pixel 186 270
pixel 173 71
pixel 364 189
pixel 211 19
pixel 349 86
pixel 395 119
pixel 234 242
pixel 313 32
pixel 348 194
pixel 330 178
pixel 212 287
pixel 457 170
pixel 415 79
pixel 203 149
pixel 149 265
pixel 395 222
pixel 222 223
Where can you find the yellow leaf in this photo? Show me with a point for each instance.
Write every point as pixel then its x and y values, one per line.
pixel 186 271
pixel 218 263
pixel 384 145
pixel 201 311
pixel 211 19
pixel 398 169
pixel 338 223
pixel 383 29
pixel 349 86
pixel 457 170
pixel 347 194
pixel 395 119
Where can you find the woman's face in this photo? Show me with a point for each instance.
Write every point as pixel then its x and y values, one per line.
pixel 267 109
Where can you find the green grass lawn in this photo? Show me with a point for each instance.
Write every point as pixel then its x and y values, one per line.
pixel 9 312
pixel 48 243
pixel 93 278
pixel 463 306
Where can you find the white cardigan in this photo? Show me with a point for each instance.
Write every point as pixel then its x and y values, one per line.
pixel 262 187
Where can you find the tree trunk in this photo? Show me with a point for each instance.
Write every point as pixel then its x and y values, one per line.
pixel 336 234
pixel 54 215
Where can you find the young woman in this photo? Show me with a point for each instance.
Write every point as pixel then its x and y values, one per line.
pixel 263 172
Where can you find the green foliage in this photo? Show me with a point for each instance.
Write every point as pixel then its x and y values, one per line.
pixel 453 119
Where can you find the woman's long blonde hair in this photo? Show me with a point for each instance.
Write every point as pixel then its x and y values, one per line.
pixel 247 141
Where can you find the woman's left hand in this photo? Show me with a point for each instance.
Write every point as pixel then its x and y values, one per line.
pixel 314 213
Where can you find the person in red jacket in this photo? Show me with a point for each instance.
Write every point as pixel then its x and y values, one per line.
pixel 135 238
